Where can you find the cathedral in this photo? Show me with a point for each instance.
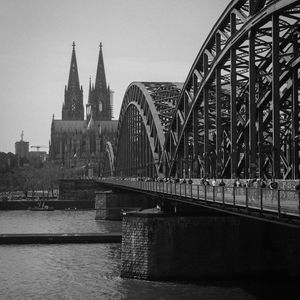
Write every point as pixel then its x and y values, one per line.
pixel 77 141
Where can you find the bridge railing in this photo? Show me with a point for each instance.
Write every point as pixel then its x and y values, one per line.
pixel 261 199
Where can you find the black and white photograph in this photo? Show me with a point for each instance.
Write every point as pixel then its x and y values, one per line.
pixel 149 149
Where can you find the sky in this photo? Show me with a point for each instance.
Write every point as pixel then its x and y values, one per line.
pixel 143 40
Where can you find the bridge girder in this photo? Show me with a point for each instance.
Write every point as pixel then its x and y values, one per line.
pixel 109 160
pixel 146 113
pixel 238 111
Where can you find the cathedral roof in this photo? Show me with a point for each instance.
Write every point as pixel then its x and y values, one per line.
pixel 107 126
pixel 68 125
pixel 81 126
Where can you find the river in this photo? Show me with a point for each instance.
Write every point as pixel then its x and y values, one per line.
pixel 91 271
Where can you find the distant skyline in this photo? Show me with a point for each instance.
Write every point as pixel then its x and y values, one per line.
pixel 142 40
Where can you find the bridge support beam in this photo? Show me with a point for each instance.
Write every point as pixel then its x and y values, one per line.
pixel 164 246
pixel 109 205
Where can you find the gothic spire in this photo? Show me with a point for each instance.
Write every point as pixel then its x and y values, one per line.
pixel 73 75
pixel 100 76
pixel 73 105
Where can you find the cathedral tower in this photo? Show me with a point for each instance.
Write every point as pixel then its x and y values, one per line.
pixel 100 96
pixel 73 105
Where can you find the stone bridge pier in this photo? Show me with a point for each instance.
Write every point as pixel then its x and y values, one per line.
pixel 159 245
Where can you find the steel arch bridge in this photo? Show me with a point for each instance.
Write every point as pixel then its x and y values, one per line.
pixel 145 117
pixel 237 114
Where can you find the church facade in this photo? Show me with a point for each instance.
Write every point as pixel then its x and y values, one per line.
pixel 77 141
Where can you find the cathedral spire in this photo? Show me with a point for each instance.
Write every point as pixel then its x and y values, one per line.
pixel 73 75
pixel 73 105
pixel 100 76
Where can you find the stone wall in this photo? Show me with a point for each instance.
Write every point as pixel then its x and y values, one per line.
pixel 156 246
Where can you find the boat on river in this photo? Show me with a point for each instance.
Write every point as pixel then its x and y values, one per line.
pixel 71 208
pixel 41 207
pixel 45 208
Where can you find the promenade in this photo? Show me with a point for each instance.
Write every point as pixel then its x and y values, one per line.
pixel 262 200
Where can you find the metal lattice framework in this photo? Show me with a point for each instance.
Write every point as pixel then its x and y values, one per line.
pixel 109 159
pixel 238 112
pixel 145 117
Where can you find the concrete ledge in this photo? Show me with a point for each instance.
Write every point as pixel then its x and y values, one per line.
pixel 60 238
pixel 57 204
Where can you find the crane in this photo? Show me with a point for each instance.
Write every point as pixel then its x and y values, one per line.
pixel 38 147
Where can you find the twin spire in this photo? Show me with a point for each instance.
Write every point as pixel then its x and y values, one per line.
pixel 99 96
pixel 100 75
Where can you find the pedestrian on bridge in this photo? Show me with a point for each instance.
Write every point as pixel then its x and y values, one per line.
pixel 222 183
pixel 297 187
pixel 237 184
pixel 206 181
pixel 214 182
pixel 273 184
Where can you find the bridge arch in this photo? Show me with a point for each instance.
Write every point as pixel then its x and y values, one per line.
pixel 238 112
pixel 109 160
pixel 145 116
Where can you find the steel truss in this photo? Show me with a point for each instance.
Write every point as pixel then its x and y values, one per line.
pixel 145 117
pixel 109 158
pixel 238 112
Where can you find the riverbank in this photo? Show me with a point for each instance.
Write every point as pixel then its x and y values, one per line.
pixel 57 204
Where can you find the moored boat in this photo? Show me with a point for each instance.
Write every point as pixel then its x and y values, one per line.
pixel 41 207
pixel 44 208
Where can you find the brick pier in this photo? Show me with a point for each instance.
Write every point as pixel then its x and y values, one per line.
pixel 165 246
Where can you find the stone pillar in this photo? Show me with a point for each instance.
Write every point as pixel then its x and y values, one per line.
pixel 109 205
pixel 160 246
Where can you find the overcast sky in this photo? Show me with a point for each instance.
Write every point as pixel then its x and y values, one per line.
pixel 143 40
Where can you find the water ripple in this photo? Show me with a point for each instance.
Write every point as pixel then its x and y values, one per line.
pixel 23 221
pixel 91 271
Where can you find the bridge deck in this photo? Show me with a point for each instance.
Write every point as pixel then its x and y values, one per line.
pixel 280 206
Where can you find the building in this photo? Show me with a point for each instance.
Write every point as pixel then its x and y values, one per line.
pixel 22 148
pixel 75 141
pixel 37 158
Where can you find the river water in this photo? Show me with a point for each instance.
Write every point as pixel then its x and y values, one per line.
pixel 91 271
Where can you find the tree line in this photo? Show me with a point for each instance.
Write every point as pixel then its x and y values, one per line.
pixel 17 177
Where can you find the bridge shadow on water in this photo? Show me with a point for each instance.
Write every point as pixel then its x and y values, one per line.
pixel 262 287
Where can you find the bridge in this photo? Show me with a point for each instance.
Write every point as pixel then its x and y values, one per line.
pixel 235 116
pixel 276 206
pixel 237 113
